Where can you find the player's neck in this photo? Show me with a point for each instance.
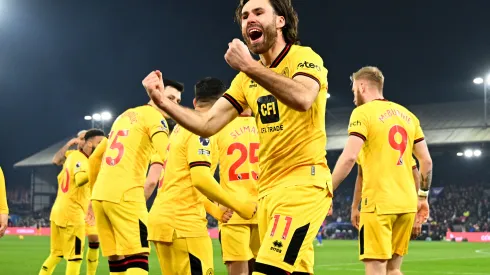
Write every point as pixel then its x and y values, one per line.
pixel 373 97
pixel 268 57
pixel 202 108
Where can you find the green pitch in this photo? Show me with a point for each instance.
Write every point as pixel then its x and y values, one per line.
pixel 19 257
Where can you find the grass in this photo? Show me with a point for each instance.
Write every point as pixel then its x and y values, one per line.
pixel 334 257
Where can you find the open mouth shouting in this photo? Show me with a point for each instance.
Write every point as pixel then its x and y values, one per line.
pixel 255 34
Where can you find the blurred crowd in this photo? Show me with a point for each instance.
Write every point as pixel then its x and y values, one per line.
pixel 457 208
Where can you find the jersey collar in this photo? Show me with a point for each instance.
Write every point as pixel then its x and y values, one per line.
pixel 81 151
pixel 280 57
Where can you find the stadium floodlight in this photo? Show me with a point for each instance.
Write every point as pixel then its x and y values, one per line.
pixel 468 153
pixel 459 154
pixel 328 95
pixel 478 80
pixel 97 117
pixel 477 153
pixel 87 117
pixel 105 116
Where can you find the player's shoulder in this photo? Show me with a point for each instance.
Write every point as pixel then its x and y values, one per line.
pixel 303 51
pixel 404 109
pixel 68 152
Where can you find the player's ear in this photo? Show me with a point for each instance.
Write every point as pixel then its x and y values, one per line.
pixel 280 22
pixel 194 102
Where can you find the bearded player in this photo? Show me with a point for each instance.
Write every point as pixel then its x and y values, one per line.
pixel 173 91
pixel 177 221
pixel 387 134
pixel 68 214
pixel 287 92
pixel 60 156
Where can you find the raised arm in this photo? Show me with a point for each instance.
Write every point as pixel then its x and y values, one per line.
pixel 204 124
pixel 60 157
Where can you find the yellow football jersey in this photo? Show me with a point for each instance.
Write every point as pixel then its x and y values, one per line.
pixel 292 142
pixel 179 206
pixel 72 200
pixel 238 145
pixel 4 209
pixel 125 162
pixel 389 131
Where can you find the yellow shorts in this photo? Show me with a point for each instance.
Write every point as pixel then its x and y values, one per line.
pixel 67 241
pixel 239 242
pixel 289 220
pixel 381 236
pixel 121 227
pixel 186 256
pixel 91 230
pixel 56 240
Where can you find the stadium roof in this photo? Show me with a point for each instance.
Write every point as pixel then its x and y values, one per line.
pixel 443 123
pixel 43 157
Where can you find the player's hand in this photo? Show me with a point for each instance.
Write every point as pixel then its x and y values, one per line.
pixel 416 229
pixel 154 87
pixel 355 216
pixel 73 141
pixel 90 217
pixel 423 210
pixel 227 214
pixel 238 56
pixel 4 219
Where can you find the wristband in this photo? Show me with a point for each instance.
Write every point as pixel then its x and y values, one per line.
pixel 423 193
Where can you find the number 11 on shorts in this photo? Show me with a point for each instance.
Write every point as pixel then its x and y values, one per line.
pixel 285 233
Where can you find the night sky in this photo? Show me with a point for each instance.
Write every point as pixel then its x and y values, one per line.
pixel 61 60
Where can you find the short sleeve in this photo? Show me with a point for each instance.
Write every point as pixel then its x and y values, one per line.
pixel 199 151
pixel 358 124
pixel 68 152
pixel 156 123
pixel 155 158
pixel 235 94
pixel 308 63
pixel 419 134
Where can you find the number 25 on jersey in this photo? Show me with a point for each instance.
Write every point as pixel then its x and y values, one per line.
pixel 245 153
pixel 116 145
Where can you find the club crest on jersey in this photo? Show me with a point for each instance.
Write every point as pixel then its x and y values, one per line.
pixel 164 125
pixel 285 72
pixel 204 141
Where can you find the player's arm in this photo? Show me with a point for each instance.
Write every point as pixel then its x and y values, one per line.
pixel 81 173
pixel 199 157
pixel 421 152
pixel 153 177
pixel 416 177
pixel 215 211
pixel 298 92
pixel 60 156
pixel 356 199
pixel 95 160
pixel 4 209
pixel 204 124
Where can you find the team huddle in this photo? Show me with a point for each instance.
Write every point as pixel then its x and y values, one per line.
pixel 266 135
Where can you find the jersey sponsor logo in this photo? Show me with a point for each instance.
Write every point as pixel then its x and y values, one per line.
pixel 268 109
pixel 277 246
pixel 203 152
pixel 308 65
pixel 253 84
pixel 204 141
pixel 355 123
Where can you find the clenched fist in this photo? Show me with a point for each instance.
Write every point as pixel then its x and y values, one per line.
pixel 238 56
pixel 153 84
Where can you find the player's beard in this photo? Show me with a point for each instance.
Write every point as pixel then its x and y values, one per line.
pixel 269 37
pixel 358 99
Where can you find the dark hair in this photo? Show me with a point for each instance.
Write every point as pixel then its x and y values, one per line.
pixel 281 8
pixel 209 90
pixel 93 133
pixel 177 85
pixel 171 124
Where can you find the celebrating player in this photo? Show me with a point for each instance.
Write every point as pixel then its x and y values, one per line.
pixel 60 156
pixel 177 221
pixel 386 133
pixel 118 198
pixel 238 145
pixel 173 91
pixel 287 90
pixel 68 213
pixel 4 209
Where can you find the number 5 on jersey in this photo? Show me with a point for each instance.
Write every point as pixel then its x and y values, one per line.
pixel 250 154
pixel 116 145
